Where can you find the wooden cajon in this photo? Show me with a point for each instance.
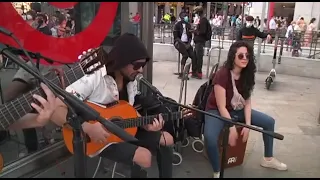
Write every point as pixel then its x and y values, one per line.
pixel 234 155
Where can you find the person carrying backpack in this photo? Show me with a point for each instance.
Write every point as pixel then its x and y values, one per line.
pixel 203 33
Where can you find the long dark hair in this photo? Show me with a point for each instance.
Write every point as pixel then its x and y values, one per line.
pixel 312 20
pixel 247 76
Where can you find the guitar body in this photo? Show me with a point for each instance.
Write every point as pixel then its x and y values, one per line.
pixel 120 111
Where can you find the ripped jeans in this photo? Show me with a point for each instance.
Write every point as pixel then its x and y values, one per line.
pixel 213 127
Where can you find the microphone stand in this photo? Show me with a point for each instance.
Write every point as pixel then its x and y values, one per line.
pixel 73 120
pixel 34 55
pixel 78 112
pixel 228 123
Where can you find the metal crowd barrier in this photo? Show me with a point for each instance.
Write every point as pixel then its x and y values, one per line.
pixel 31 165
pixel 309 41
pixel 209 54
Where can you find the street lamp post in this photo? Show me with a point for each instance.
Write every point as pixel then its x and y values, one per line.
pixel 242 13
pixel 264 6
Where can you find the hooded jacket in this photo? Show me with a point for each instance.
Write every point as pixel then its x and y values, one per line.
pixel 127 49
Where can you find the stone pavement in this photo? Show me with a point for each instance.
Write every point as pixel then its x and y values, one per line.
pixel 292 101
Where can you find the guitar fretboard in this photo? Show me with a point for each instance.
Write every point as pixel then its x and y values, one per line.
pixel 12 111
pixel 145 120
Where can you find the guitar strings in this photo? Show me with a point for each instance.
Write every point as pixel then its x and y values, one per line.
pixel 5 110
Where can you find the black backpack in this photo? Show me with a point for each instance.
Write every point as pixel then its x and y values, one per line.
pixel 209 31
pixel 194 124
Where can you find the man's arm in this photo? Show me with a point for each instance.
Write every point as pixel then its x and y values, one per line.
pixel 260 34
pixel 239 35
pixel 81 89
pixel 176 30
pixel 27 121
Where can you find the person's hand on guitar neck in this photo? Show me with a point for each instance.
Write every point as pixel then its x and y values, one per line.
pixel 157 124
pixel 96 132
pixel 46 107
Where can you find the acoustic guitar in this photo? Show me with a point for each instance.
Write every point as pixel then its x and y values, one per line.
pixel 123 115
pixel 12 111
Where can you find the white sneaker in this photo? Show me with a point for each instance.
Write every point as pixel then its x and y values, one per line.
pixel 216 175
pixel 274 163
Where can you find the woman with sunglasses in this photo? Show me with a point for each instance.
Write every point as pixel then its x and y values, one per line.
pixel 231 98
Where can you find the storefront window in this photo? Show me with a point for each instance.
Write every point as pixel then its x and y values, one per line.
pixel 60 23
pixel 85 13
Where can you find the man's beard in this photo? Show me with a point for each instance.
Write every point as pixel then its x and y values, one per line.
pixel 128 78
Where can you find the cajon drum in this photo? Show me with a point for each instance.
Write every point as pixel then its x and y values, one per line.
pixel 234 155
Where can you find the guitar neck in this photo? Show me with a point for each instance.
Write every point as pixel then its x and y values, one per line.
pixel 145 120
pixel 12 111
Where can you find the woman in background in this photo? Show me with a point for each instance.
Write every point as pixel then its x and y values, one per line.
pixel 309 32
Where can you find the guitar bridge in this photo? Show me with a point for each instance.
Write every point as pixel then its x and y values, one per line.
pixel 112 104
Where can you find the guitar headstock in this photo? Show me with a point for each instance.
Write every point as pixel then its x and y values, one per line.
pixel 92 59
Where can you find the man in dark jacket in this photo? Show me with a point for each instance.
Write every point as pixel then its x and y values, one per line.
pixel 199 39
pixel 249 33
pixel 182 40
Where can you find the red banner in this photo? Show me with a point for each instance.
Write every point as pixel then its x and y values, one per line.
pixel 62 49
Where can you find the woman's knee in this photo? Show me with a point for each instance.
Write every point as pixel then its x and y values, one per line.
pixel 166 139
pixel 142 157
pixel 269 122
pixel 263 120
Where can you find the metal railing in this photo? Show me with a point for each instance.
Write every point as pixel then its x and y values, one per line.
pixel 308 41
pixel 209 54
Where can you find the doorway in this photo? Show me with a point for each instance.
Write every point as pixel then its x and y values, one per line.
pixel 284 9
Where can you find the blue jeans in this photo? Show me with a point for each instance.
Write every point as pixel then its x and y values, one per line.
pixel 213 127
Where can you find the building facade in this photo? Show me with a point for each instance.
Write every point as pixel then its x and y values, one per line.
pixel 290 10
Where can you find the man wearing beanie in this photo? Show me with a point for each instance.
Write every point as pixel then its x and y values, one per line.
pixel 249 33
pixel 116 81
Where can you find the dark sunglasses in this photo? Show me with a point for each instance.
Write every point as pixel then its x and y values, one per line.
pixel 138 65
pixel 242 55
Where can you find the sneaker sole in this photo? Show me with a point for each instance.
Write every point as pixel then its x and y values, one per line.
pixel 280 169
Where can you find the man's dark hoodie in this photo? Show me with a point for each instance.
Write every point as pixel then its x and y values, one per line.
pixel 178 29
pixel 202 28
pixel 127 49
